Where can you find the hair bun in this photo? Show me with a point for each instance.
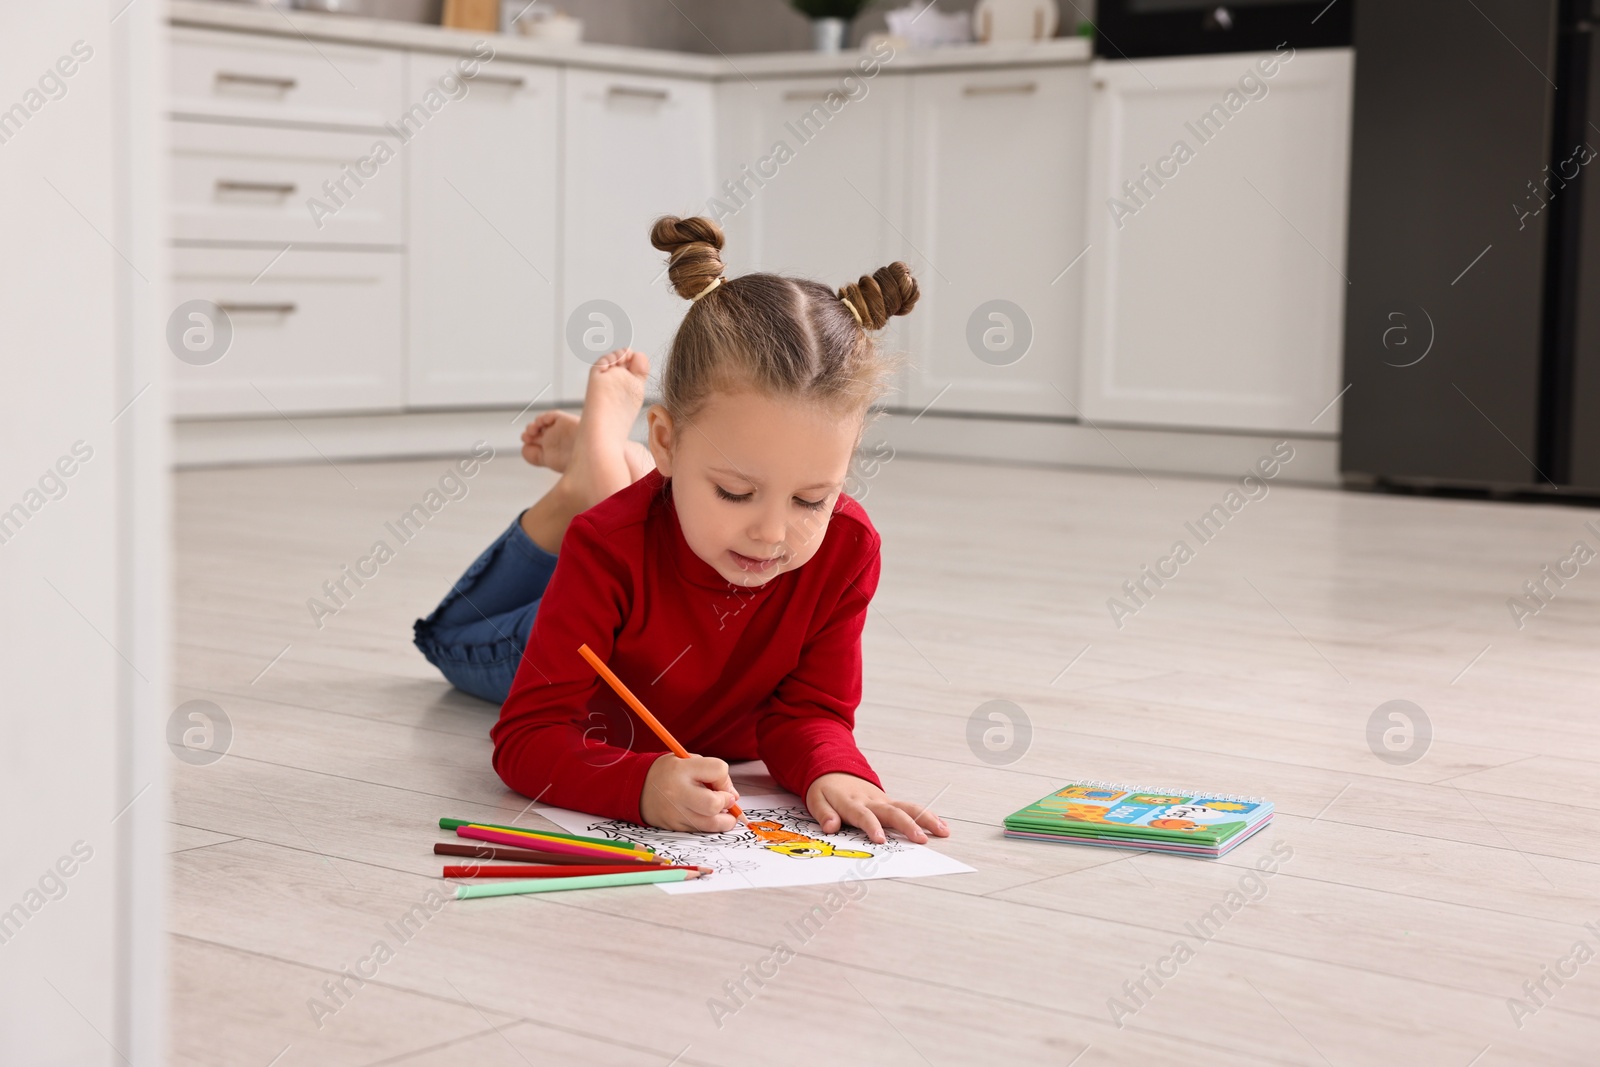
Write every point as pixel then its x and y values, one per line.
pixel 695 245
pixel 890 291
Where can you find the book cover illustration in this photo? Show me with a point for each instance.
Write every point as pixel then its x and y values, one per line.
pixel 1104 809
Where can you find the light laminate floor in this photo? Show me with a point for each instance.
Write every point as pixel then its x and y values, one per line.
pixel 1417 900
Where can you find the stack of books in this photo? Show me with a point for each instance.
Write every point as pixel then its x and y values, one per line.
pixel 1158 820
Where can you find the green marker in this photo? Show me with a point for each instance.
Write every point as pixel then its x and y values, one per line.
pixel 451 824
pixel 556 885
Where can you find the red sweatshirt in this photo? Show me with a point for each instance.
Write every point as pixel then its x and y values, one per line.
pixel 771 673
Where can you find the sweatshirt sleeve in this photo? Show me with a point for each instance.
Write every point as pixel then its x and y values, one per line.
pixel 806 729
pixel 551 742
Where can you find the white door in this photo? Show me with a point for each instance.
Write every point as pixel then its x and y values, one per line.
pixel 997 230
pixel 637 147
pixel 811 178
pixel 84 539
pixel 481 263
pixel 1217 213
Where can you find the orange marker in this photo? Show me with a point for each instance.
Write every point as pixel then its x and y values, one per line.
pixel 643 712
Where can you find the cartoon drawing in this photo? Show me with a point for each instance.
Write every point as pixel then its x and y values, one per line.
pixel 799 846
pixel 767 829
pixel 1188 817
pixel 1153 798
pixel 760 854
pixel 1089 792
pixel 1086 812
pixel 1223 805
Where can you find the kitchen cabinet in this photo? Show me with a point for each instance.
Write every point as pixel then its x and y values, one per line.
pixel 1217 206
pixel 817 176
pixel 301 331
pixel 268 79
pixel 636 147
pixel 482 269
pixel 264 184
pixel 996 172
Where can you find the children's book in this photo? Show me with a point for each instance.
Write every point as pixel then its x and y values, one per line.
pixel 1159 820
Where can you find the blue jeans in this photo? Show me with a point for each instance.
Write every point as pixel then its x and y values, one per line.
pixel 478 632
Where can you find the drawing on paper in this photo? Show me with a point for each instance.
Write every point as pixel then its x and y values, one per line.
pixel 786 831
pixel 779 831
pixel 798 846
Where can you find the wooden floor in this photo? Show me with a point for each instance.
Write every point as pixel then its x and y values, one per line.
pixel 1417 900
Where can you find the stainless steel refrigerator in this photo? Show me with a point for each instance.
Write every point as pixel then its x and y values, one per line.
pixel 1472 335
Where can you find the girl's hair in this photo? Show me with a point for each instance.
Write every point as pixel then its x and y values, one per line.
pixel 783 336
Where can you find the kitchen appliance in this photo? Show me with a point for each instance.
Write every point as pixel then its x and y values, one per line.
pixel 1472 334
pixel 1128 29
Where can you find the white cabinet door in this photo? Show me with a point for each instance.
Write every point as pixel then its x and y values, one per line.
pixel 997 193
pixel 811 178
pixel 637 147
pixel 481 264
pixel 1217 213
pixel 302 331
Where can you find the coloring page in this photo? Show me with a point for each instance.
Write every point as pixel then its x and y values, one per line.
pixel 780 845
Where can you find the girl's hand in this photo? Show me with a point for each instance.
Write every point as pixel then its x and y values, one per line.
pixel 838 797
pixel 688 794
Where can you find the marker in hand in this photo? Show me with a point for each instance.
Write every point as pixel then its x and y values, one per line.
pixel 643 712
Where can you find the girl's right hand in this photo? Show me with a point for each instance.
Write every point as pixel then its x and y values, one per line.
pixel 688 794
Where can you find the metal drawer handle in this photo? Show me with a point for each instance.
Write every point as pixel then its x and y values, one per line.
pixel 265 309
pixel 257 79
pixel 806 94
pixel 227 185
pixel 500 79
pixel 632 90
pixel 986 90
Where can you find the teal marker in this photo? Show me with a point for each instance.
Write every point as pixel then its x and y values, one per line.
pixel 556 885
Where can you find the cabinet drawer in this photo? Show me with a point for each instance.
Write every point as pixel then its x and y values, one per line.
pixel 247 76
pixel 313 331
pixel 252 183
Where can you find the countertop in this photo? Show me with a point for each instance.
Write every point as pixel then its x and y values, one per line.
pixel 384 33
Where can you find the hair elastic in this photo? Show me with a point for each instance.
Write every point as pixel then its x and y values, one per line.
pixel 714 283
pixel 846 302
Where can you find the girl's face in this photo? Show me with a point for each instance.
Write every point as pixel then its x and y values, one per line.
pixel 754 479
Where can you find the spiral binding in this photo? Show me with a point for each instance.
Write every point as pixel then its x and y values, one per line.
pixel 1162 791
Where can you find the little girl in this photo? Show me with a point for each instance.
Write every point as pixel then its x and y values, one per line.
pixel 722 573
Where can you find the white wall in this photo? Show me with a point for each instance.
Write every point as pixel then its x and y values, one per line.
pixel 83 570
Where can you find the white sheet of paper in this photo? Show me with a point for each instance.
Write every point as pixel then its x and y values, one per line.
pixel 785 847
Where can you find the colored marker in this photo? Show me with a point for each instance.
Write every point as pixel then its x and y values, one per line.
pixel 500 837
pixel 525 870
pixel 451 824
pixel 556 885
pixel 643 712
pixel 523 855
pixel 538 839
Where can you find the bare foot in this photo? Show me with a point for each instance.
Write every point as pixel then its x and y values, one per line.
pixel 611 401
pixel 547 441
pixel 600 462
